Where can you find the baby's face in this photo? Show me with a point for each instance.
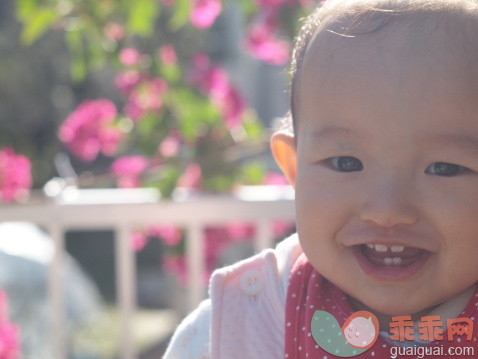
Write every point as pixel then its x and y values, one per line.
pixel 387 167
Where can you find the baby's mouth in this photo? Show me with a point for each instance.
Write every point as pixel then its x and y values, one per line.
pixel 391 256
pixel 391 262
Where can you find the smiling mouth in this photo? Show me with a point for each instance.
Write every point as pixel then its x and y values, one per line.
pixel 391 256
pixel 390 262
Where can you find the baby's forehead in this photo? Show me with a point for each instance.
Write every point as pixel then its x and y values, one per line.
pixel 443 42
pixel 408 68
pixel 452 30
pixel 417 39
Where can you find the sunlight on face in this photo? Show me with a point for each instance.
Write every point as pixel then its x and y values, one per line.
pixel 387 165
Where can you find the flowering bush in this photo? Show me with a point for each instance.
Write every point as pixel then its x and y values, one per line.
pixel 9 333
pixel 205 12
pixel 89 130
pixel 216 240
pixel 15 177
pixel 179 110
pixel 128 170
pixel 180 120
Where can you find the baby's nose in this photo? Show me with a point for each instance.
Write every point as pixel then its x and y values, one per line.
pixel 389 202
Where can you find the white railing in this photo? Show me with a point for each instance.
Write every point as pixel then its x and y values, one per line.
pixel 125 210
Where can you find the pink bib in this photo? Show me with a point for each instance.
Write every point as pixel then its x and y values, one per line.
pixel 309 292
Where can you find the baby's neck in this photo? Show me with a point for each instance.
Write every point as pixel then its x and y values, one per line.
pixel 447 310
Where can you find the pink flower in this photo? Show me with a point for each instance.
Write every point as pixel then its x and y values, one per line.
pixel 129 56
pixel 271 3
pixel 191 178
pixel 201 61
pixel 205 12
pixel 275 4
pixel 238 231
pixel 133 108
pixel 216 240
pixel 214 82
pixel 9 333
pixel 232 107
pixel 3 306
pixel 273 178
pixel 114 31
pixel 138 241
pixel 169 233
pixel 146 97
pixel 263 45
pixel 15 176
pixel 167 55
pixel 281 228
pixel 170 146
pixel 89 130
pixel 127 81
pixel 128 170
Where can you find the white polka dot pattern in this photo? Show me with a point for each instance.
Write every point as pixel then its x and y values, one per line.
pixel 309 291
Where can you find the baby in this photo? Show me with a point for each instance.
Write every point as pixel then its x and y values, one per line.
pixel 383 157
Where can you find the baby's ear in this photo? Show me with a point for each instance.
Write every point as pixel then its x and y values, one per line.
pixel 283 149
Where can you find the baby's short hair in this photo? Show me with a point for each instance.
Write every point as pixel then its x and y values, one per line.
pixel 353 18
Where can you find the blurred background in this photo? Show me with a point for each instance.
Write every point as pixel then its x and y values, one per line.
pixel 175 96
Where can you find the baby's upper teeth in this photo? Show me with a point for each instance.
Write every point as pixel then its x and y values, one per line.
pixel 384 248
pixel 381 248
pixel 397 248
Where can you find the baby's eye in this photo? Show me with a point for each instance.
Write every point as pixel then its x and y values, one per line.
pixel 444 169
pixel 346 163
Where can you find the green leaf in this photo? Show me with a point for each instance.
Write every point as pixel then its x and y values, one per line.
pixel 78 69
pixel 25 9
pixel 142 15
pixel 37 24
pixel 181 14
pixel 247 7
pixel 96 54
pixel 219 183
pixel 252 126
pixel 171 73
pixel 193 112
pixel 169 176
pixel 188 128
pixel 253 172
pixel 147 124
pixel 74 40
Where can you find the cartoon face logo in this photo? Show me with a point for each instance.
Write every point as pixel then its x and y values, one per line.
pixel 360 332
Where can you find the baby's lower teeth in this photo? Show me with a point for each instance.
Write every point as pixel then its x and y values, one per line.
pixel 392 261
